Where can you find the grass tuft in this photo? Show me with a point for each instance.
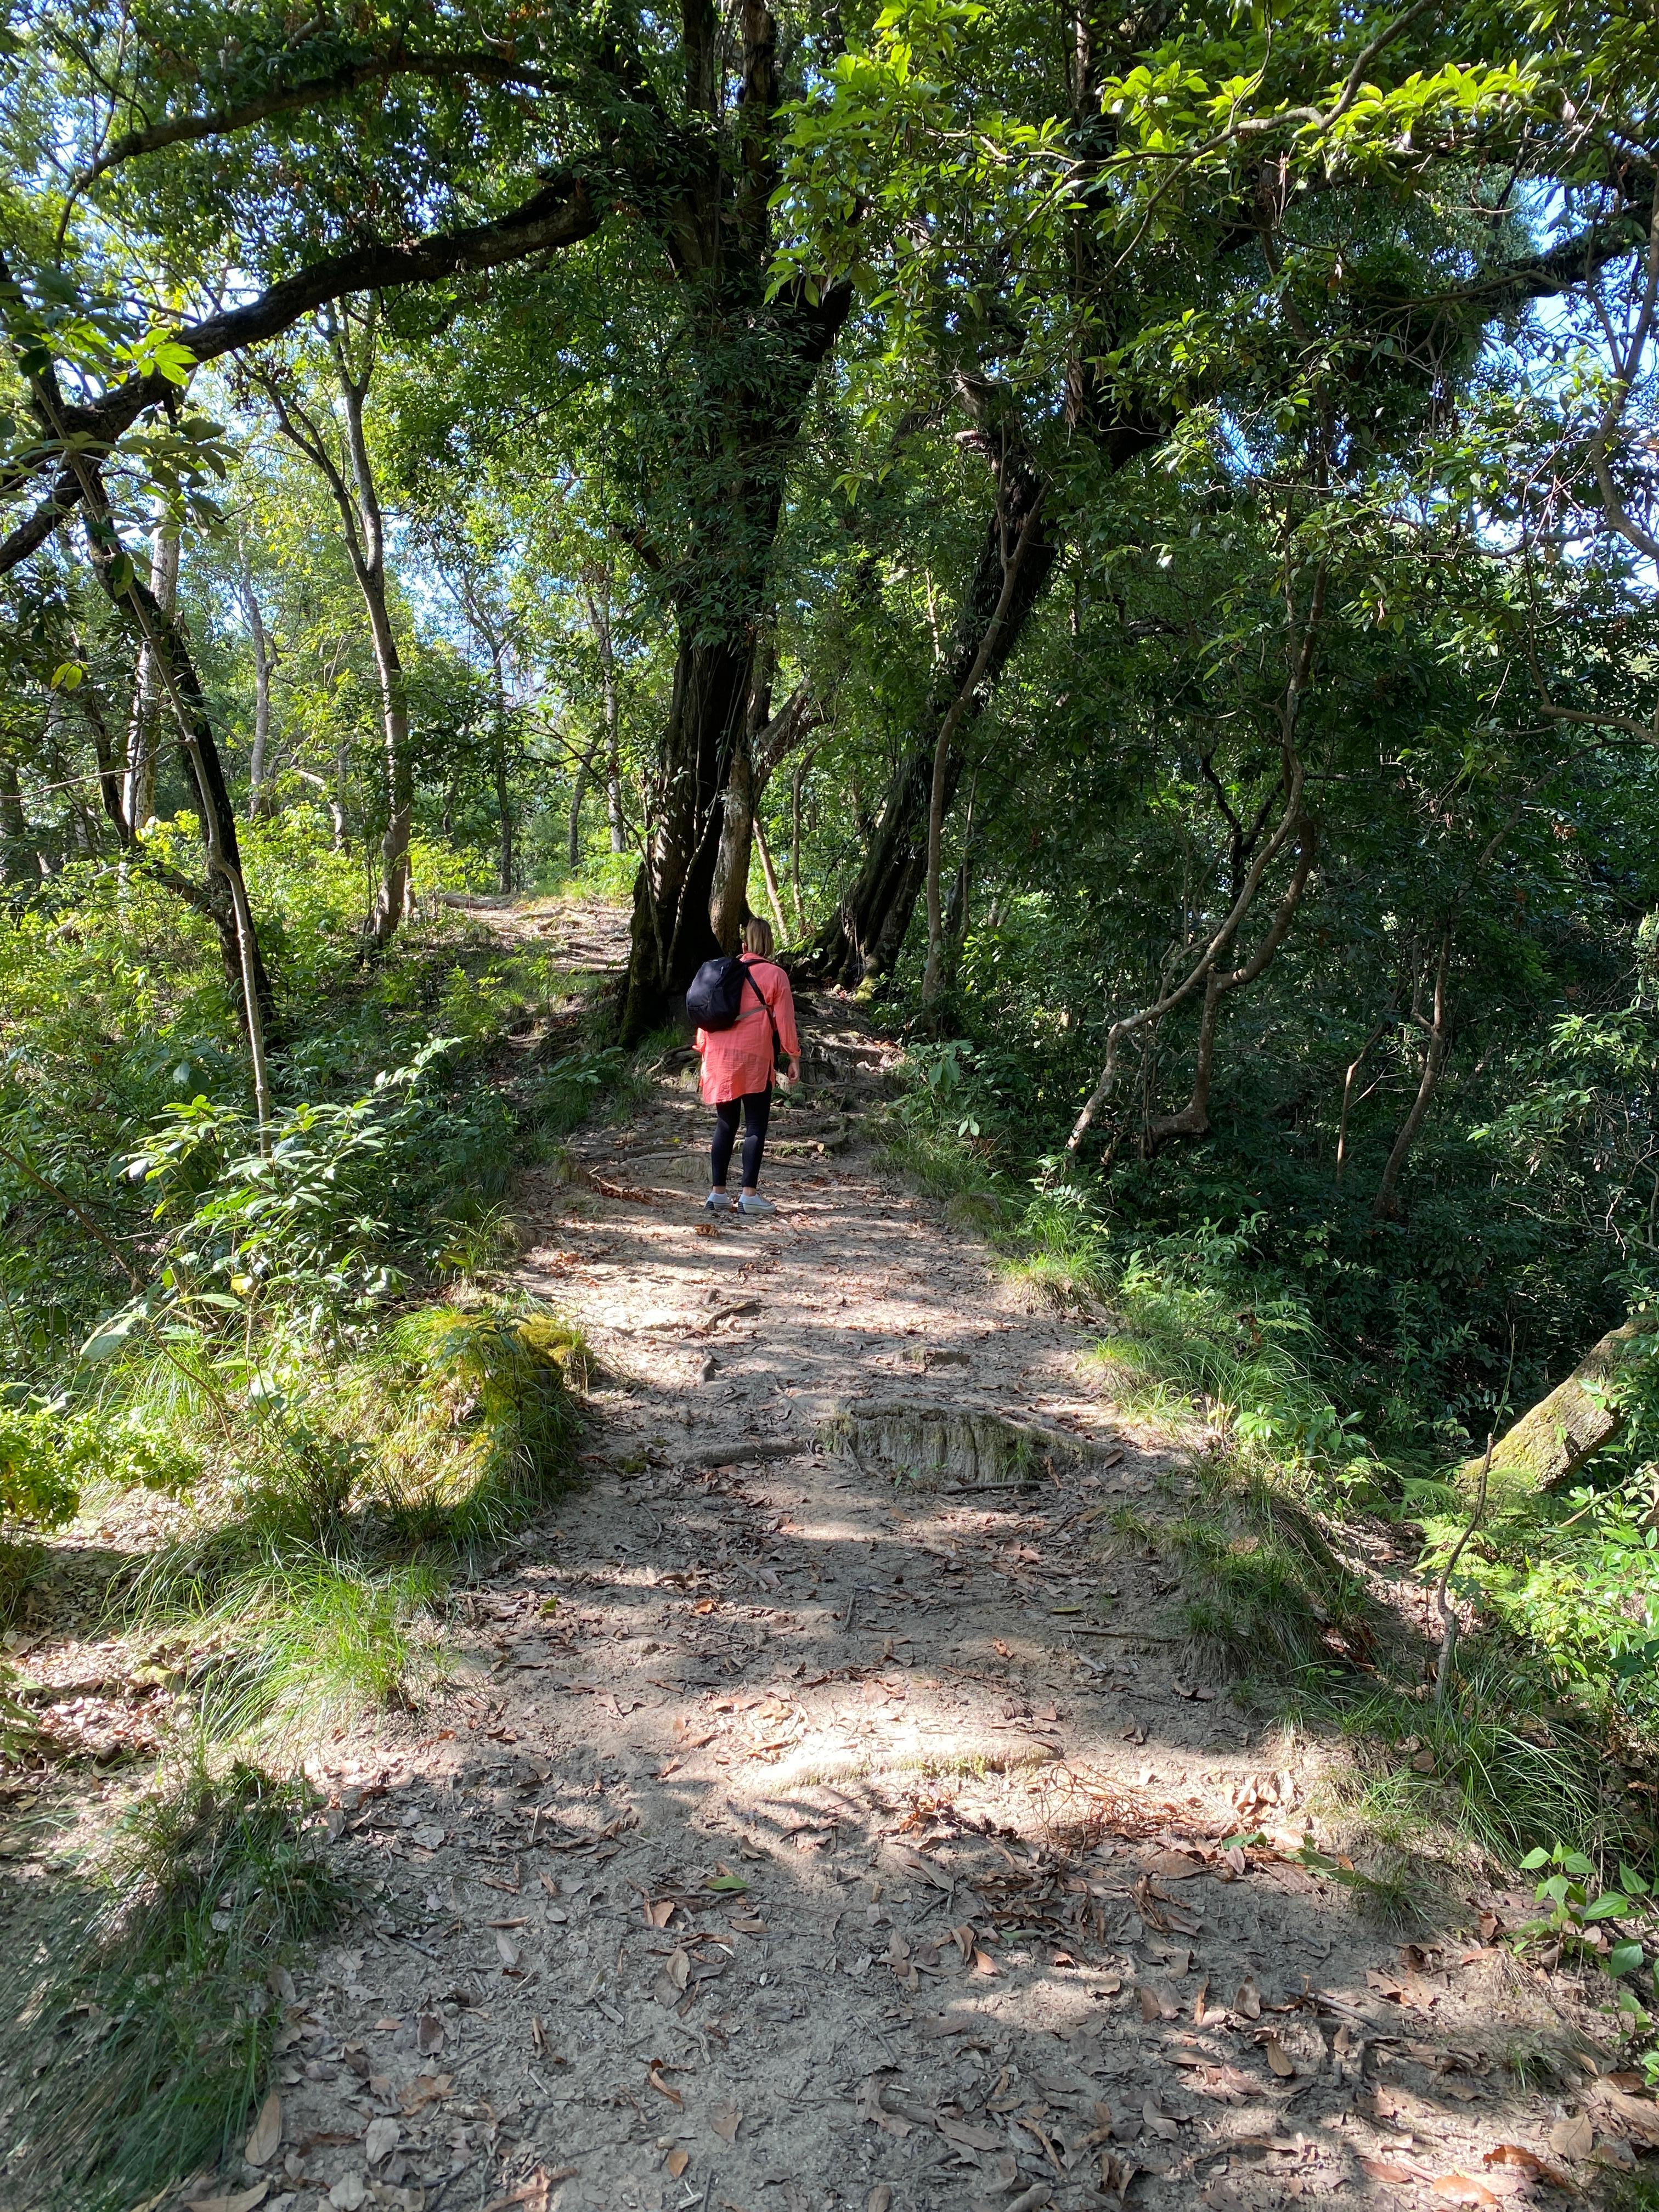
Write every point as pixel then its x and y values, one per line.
pixel 143 2022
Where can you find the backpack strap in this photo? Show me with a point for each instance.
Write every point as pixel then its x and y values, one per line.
pixel 777 1041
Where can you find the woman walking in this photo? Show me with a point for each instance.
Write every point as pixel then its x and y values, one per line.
pixel 737 1065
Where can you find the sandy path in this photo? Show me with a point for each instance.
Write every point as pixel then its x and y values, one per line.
pixel 784 1843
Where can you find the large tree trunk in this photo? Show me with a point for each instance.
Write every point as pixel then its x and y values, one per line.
pixel 863 937
pixel 755 359
pixel 1549 1443
pixel 673 933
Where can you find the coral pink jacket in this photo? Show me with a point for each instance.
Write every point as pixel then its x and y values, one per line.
pixel 738 1062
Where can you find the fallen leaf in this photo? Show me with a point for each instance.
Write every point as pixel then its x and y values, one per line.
pixel 1527 2162
pixel 1631 2116
pixel 679 1970
pixel 732 1883
pixel 661 1912
pixel 676 2161
pixel 348 2193
pixel 509 1951
pixel 726 2120
pixel 533 2193
pixel 1278 2058
pixel 881 2198
pixel 429 1835
pixel 1154 2005
pixel 1173 1866
pixel 381 2139
pixel 984 1963
pixel 1248 2000
pixel 1574 2137
pixel 425 2089
pixel 664 2089
pixel 1388 2169
pixel 429 2034
pixel 267 2132
pixel 965 2132
pixel 1466 2189
pixel 243 2201
pixel 750 1927
pixel 1158 2122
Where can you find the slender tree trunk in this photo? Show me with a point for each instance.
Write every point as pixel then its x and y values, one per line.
pixel 144 732
pixel 795 782
pixel 772 899
pixel 1349 1074
pixel 20 863
pixel 1385 1205
pixel 1013 552
pixel 264 661
pixel 578 794
pixel 1193 1118
pixel 151 626
pixel 358 502
pixel 862 940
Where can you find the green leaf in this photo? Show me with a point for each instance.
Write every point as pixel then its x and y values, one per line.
pixel 1623 1959
pixel 732 1883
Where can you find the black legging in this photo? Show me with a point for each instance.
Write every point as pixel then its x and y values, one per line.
pixel 757 1111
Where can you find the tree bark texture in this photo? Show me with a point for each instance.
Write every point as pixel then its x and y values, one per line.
pixel 358 499
pixel 265 663
pixel 755 361
pixel 225 897
pixel 1555 1438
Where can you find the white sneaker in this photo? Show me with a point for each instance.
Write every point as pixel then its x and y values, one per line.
pixel 719 1202
pixel 752 1202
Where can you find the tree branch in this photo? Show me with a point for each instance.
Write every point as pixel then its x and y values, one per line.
pixel 560 214
pixel 316 92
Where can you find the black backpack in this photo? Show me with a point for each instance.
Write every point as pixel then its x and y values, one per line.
pixel 715 997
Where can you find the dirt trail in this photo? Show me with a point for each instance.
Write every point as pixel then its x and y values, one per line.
pixel 787 1840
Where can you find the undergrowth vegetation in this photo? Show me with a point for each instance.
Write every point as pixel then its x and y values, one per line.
pixel 300 1337
pixel 144 2008
pixel 1545 1728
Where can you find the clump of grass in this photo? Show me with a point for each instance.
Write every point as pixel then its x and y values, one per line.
pixel 21 1558
pixel 1262 1590
pixel 482 1419
pixel 302 1603
pixel 143 2018
pixel 309 1642
pixel 1474 1771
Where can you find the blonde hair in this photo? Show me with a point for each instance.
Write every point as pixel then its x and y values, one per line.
pixel 757 936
